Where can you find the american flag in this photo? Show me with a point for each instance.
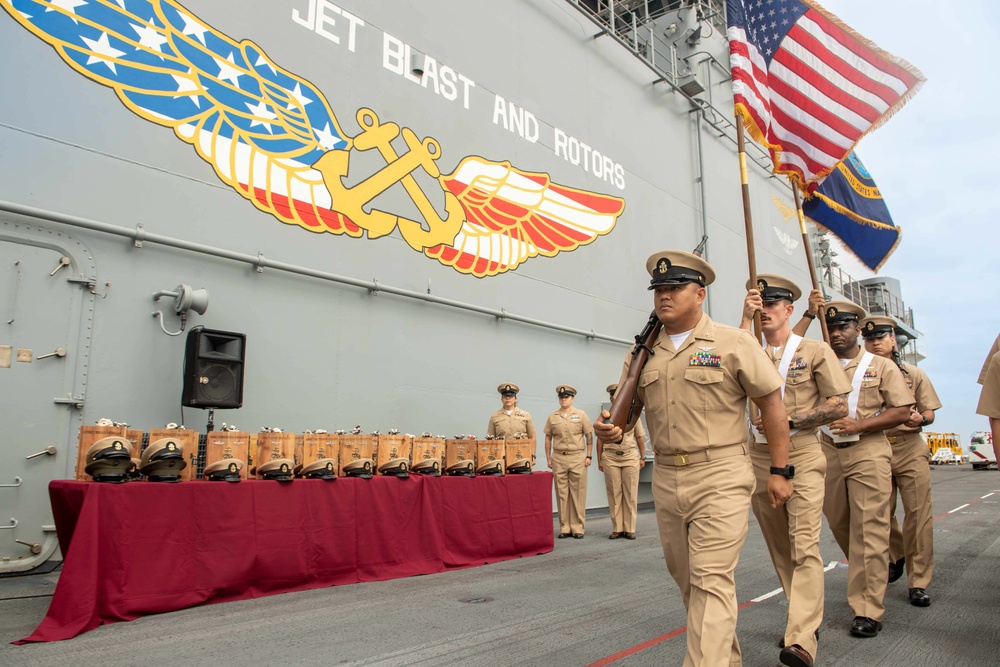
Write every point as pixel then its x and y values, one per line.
pixel 807 85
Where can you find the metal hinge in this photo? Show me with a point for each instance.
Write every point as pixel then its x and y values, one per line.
pixel 70 401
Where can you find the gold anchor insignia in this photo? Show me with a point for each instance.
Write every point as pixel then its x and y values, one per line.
pixel 871 326
pixel 832 312
pixel 761 285
pixel 350 201
pixel 663 266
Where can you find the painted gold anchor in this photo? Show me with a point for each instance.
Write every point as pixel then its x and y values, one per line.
pixel 350 201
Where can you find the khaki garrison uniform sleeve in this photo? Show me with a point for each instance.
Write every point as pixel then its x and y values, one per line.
pixel 923 392
pixel 986 364
pixel 814 375
pixel 989 399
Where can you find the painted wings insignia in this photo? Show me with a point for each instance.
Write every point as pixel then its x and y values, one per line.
pixel 272 136
pixel 513 215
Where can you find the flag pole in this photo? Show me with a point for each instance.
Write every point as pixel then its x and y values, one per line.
pixel 809 255
pixel 747 216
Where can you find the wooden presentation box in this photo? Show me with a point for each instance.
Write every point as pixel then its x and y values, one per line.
pixel 491 450
pixel 272 446
pixel 426 448
pixel 393 447
pixel 188 439
pixel 460 450
pixel 354 447
pixel 520 449
pixel 221 445
pixel 316 446
pixel 91 434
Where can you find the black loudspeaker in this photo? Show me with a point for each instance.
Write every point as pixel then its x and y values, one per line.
pixel 213 369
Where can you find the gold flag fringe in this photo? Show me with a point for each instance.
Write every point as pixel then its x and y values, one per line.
pixel 843 210
pixel 888 254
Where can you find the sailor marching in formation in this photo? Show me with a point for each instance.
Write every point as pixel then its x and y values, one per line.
pixel 832 429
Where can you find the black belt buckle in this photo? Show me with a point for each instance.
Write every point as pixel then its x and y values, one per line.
pixel 844 445
pixel 619 452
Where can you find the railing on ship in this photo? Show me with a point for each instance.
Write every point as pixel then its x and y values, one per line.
pixel 632 23
pixel 875 299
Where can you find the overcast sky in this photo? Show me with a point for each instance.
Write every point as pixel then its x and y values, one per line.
pixel 937 164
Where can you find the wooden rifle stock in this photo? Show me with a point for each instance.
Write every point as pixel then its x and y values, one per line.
pixel 624 408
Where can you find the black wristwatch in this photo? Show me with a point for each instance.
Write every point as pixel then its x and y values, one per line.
pixel 809 315
pixel 788 472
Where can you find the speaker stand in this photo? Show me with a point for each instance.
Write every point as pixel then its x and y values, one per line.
pixel 211 420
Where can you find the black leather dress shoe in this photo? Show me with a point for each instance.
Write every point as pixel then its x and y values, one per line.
pixel 781 642
pixel 578 536
pixel 919 597
pixel 795 656
pixel 563 536
pixel 897 569
pixel 865 627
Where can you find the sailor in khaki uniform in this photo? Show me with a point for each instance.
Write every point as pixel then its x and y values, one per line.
pixel 621 465
pixel 510 419
pixel 694 390
pixel 569 440
pixel 989 398
pixel 859 473
pixel 913 547
pixel 815 393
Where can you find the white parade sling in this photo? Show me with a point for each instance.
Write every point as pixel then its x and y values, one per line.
pixel 852 400
pixel 791 345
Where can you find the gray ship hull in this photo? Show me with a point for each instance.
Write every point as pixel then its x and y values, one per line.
pixel 360 324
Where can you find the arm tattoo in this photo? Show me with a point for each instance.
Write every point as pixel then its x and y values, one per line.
pixel 833 409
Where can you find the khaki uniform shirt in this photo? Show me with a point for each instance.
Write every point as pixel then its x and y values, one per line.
pixel 814 375
pixel 695 396
pixel 986 364
pixel 882 387
pixel 503 425
pixel 923 392
pixel 989 399
pixel 570 433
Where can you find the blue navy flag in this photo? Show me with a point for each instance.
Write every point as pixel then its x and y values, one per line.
pixel 849 205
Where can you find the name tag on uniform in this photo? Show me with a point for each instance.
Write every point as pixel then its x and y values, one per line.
pixel 705 359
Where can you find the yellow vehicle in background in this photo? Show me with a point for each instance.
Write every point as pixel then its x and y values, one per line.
pixel 944 447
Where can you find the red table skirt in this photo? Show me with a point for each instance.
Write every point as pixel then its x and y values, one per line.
pixel 145 548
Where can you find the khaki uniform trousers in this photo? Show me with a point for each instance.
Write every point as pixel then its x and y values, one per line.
pixel 701 511
pixel 912 476
pixel 569 473
pixel 621 479
pixel 858 481
pixel 792 535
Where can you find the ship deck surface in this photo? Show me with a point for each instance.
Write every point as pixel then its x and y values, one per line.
pixel 589 601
